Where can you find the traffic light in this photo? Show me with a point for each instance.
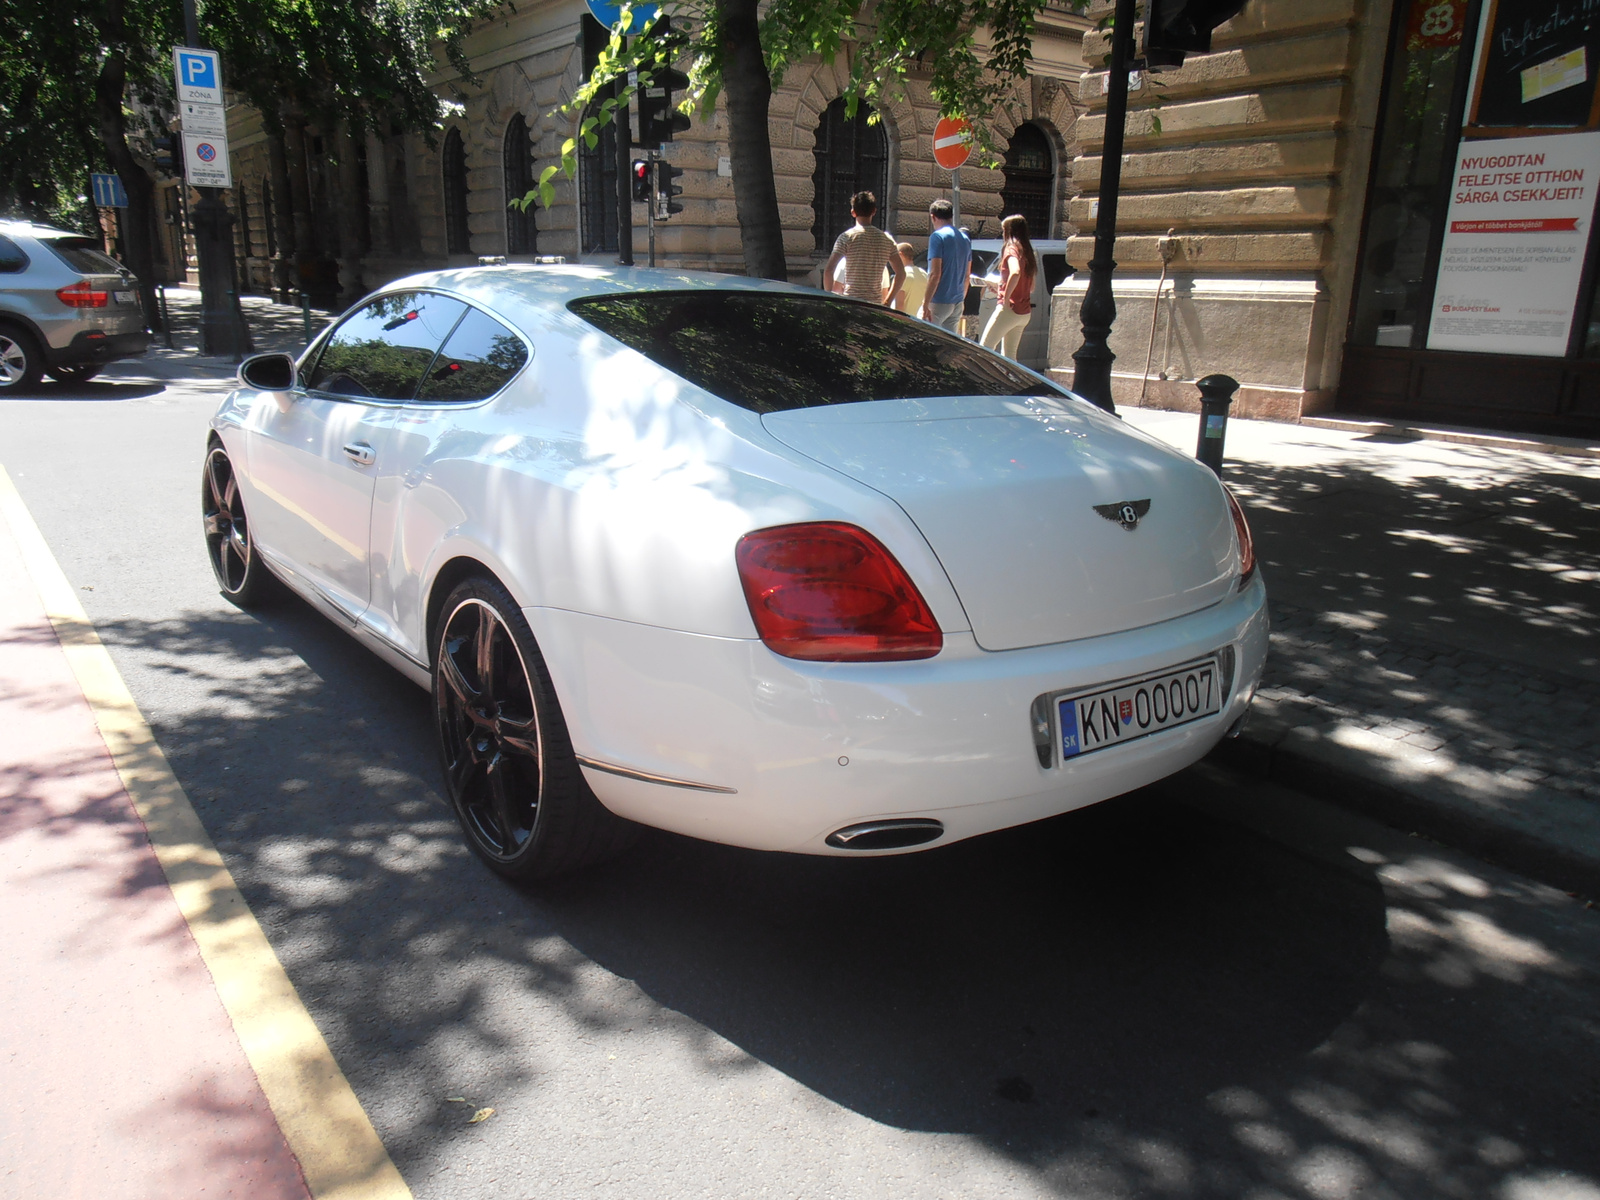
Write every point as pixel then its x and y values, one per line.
pixel 659 121
pixel 666 190
pixel 165 152
pixel 641 181
pixel 1173 28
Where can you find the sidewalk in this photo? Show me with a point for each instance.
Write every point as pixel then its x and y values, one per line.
pixel 1435 653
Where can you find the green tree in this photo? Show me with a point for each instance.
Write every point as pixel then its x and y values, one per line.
pixel 736 51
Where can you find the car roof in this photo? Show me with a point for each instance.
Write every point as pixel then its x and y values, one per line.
pixel 29 229
pixel 510 288
pixel 1040 245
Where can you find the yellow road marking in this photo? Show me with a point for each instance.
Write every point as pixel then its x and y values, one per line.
pixel 340 1152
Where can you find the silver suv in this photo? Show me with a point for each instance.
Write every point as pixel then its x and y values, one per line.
pixel 65 307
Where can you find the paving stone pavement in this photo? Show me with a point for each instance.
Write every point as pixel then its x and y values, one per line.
pixel 1506 719
pixel 1435 655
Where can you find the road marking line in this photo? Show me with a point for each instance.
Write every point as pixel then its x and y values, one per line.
pixel 339 1151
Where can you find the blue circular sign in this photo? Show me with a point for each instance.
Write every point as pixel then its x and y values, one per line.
pixel 609 14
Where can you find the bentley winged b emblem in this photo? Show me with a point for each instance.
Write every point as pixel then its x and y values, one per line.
pixel 1126 514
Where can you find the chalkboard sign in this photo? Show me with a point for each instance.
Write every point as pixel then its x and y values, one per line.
pixel 1537 68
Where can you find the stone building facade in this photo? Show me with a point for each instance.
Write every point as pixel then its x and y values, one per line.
pixel 424 202
pixel 1310 185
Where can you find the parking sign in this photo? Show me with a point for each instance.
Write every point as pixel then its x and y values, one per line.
pixel 198 74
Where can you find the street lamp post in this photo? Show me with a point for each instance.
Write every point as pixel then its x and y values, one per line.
pixel 223 333
pixel 1091 376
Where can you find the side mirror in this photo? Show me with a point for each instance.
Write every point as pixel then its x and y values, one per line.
pixel 268 372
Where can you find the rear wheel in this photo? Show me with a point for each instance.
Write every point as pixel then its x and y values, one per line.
pixel 21 360
pixel 242 576
pixel 76 374
pixel 508 764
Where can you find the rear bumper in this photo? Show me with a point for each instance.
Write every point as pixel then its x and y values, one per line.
pixel 798 750
pixel 97 346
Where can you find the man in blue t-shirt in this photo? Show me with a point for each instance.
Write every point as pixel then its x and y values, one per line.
pixel 949 261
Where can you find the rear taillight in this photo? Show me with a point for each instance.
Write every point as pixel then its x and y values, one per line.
pixel 81 295
pixel 830 592
pixel 1247 544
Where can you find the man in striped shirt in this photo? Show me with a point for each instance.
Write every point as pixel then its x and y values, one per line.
pixel 866 251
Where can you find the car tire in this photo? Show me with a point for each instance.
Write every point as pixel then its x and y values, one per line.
pixel 21 360
pixel 504 751
pixel 240 571
pixel 76 374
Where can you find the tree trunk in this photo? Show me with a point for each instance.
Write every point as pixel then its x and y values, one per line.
pixel 140 216
pixel 282 215
pixel 748 88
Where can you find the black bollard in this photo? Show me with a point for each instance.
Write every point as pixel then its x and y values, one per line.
pixel 1216 393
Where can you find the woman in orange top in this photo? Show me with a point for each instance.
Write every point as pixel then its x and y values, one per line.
pixel 1018 266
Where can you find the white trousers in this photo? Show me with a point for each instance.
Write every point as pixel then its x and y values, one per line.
pixel 1004 330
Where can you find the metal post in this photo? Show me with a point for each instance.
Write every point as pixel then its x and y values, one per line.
pixel 955 197
pixel 622 123
pixel 654 156
pixel 223 333
pixel 1216 393
pixel 166 316
pixel 1091 377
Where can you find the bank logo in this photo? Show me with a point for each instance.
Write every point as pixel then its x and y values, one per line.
pixel 1125 513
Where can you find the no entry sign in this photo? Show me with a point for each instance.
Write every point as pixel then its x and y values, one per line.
pixel 952 142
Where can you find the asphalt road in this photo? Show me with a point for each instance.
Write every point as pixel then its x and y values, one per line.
pixel 1204 989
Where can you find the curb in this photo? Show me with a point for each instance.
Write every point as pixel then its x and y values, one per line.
pixel 1341 777
pixel 1410 430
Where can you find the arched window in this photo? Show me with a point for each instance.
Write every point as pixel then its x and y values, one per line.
pixel 852 156
pixel 1030 175
pixel 521 236
pixel 457 237
pixel 597 166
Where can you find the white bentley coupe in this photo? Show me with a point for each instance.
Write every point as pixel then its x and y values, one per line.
pixel 738 559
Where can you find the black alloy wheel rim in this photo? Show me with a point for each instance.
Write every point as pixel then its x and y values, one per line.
pixel 488 730
pixel 227 532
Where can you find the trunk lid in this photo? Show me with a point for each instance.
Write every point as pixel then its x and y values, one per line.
pixel 1006 491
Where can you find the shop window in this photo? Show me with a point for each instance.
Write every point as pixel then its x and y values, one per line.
pixel 518 161
pixel 1414 153
pixel 457 237
pixel 852 156
pixel 1030 179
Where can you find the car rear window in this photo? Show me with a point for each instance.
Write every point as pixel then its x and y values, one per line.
pixel 773 351
pixel 83 255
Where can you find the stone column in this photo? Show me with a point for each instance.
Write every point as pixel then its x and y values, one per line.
pixel 378 222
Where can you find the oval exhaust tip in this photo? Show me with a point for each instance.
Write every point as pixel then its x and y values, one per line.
pixel 886 835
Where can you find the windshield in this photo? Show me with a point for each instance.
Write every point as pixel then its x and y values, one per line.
pixel 83 255
pixel 775 351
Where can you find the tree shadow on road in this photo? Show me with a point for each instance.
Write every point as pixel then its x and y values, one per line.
pixel 94 389
pixel 1134 999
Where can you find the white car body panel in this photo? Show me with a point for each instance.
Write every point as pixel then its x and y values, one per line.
pixel 607 494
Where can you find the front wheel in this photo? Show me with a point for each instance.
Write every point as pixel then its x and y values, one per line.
pixel 508 764
pixel 242 576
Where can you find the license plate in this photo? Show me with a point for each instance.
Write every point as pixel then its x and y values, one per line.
pixel 124 297
pixel 1127 711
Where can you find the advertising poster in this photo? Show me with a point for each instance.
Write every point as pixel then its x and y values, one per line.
pixel 1514 242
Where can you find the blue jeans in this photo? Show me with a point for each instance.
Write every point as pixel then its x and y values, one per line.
pixel 947 316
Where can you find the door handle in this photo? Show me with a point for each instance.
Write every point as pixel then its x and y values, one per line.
pixel 360 452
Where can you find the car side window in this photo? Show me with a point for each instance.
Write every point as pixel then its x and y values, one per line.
pixel 479 359
pixel 382 350
pixel 12 259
